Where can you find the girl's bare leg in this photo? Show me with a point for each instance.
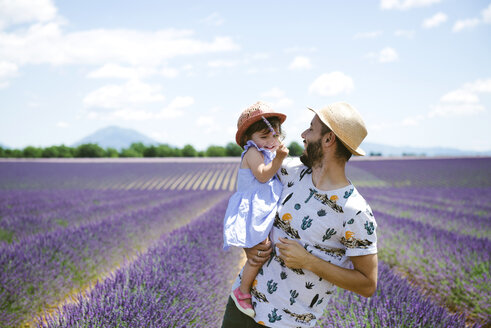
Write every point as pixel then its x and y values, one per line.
pixel 248 276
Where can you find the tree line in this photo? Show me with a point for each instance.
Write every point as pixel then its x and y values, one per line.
pixel 136 149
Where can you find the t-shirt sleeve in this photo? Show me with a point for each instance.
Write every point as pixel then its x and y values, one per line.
pixel 360 233
pixel 288 169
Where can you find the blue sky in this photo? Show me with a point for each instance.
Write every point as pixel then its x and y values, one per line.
pixel 182 71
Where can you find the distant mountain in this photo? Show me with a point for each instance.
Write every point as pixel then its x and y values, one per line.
pixel 116 137
pixel 386 150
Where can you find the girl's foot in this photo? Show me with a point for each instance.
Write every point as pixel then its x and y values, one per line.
pixel 239 299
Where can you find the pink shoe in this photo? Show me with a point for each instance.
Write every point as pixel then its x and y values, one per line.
pixel 243 307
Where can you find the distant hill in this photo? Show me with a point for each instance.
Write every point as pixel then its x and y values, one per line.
pixel 387 150
pixel 116 137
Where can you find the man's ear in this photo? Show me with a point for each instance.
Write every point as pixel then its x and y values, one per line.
pixel 329 136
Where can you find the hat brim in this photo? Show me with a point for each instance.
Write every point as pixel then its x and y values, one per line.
pixel 246 124
pixel 357 152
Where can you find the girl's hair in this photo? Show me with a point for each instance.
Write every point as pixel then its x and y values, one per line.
pixel 261 126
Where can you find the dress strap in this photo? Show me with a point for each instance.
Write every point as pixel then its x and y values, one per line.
pixel 268 155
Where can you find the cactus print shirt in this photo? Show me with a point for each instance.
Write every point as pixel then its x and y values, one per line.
pixel 332 225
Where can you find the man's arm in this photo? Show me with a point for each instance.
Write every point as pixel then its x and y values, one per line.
pixel 361 280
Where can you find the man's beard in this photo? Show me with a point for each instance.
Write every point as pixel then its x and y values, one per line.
pixel 313 154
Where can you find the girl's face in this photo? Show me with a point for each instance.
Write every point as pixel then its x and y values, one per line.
pixel 265 139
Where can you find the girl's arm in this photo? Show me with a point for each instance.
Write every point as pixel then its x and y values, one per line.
pixel 254 160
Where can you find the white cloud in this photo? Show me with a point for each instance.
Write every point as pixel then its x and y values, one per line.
pixel 465 24
pixel 300 49
pixel 131 72
pixel 455 109
pixel 388 55
pixel 223 63
pixel 435 20
pixel 300 63
pixel 259 56
pixel 174 109
pixel 273 93
pixel 473 22
pixel 486 15
pixel 463 101
pixel 460 96
pixel 33 104
pixel 213 19
pixel 62 125
pixel 282 103
pixel 7 69
pixel 367 35
pixel 47 44
pixel 208 124
pixel 331 84
pixel 169 72
pixel 406 4
pixel 479 86
pixel 204 121
pixel 404 33
pixel 118 71
pixel 128 113
pixel 159 136
pixel 276 98
pixel 412 121
pixel 133 92
pixel 26 11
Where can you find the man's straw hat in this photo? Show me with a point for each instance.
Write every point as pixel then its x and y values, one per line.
pixel 346 123
pixel 251 115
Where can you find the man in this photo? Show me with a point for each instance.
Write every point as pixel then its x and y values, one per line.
pixel 324 232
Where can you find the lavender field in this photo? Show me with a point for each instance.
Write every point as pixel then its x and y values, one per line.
pixel 138 243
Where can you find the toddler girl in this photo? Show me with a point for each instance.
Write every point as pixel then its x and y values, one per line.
pixel 251 210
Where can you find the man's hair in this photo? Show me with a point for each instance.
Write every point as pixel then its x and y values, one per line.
pixel 341 151
pixel 261 126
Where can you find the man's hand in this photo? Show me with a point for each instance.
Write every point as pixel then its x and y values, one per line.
pixel 259 254
pixel 292 253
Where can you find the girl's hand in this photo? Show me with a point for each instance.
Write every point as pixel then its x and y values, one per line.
pixel 259 254
pixel 292 253
pixel 282 151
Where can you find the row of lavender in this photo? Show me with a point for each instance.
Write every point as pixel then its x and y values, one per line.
pixel 180 282
pixel 426 219
pixel 197 174
pixel 436 229
pixel 26 213
pixel 167 286
pixel 48 262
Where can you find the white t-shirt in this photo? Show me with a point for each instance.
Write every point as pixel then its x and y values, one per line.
pixel 332 225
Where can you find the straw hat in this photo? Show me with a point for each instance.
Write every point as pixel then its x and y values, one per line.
pixel 250 116
pixel 346 123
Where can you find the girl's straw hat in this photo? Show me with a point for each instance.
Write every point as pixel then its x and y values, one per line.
pixel 346 123
pixel 250 116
